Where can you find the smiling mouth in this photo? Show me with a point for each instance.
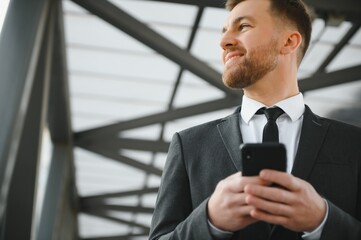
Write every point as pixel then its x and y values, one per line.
pixel 232 58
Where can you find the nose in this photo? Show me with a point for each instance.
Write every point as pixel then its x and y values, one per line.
pixel 228 40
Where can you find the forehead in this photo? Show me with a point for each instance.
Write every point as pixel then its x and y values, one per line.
pixel 255 10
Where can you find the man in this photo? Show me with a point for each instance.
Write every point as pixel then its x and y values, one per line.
pixel 203 195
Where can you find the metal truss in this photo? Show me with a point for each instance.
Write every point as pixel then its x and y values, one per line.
pixel 107 140
pixel 33 92
pixel 35 96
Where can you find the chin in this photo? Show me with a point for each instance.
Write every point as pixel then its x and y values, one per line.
pixel 232 84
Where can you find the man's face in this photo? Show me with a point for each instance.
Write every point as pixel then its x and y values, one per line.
pixel 249 43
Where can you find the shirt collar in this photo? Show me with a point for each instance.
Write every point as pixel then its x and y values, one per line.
pixel 294 107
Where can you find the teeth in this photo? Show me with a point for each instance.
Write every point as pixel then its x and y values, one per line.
pixel 232 58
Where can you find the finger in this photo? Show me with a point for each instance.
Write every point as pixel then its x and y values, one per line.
pixel 236 200
pixel 281 178
pixel 273 194
pixel 267 217
pixel 273 208
pixel 236 183
pixel 245 210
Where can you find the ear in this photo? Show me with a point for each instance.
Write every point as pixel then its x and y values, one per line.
pixel 292 42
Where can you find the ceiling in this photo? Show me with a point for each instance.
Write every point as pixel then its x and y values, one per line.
pixel 141 70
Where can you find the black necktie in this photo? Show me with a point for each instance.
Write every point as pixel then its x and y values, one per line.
pixel 270 130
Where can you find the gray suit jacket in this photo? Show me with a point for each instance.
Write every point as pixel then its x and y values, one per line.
pixel 328 157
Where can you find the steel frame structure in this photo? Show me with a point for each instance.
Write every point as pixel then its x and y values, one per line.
pixel 35 96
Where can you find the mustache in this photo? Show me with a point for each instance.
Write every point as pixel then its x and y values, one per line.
pixel 240 49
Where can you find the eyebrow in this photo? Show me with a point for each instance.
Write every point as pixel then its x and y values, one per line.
pixel 237 20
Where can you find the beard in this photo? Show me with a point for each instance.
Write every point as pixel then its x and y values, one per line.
pixel 253 66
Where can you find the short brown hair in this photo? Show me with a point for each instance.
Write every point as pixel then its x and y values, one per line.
pixel 294 11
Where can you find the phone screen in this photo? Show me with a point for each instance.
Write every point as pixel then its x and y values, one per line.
pixel 259 156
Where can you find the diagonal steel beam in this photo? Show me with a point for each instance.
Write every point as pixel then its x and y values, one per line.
pixel 58 217
pixel 339 46
pixel 101 197
pixel 129 236
pixel 200 3
pixel 113 129
pixel 330 5
pixel 110 153
pixel 181 70
pixel 114 143
pixel 142 145
pixel 138 30
pixel 351 9
pixel 21 210
pixel 112 207
pixel 20 44
pixel 322 80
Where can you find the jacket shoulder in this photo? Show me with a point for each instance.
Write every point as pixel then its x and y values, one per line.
pixel 207 126
pixel 335 125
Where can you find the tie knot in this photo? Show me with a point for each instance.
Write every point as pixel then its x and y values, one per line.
pixel 271 113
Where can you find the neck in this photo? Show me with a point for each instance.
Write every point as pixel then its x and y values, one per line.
pixel 274 87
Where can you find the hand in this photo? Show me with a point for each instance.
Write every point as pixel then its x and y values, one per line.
pixel 297 207
pixel 227 209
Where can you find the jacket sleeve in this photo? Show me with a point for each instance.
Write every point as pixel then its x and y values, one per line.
pixel 344 221
pixel 341 225
pixel 174 216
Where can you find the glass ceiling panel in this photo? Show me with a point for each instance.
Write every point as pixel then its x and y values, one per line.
pixel 89 113
pixel 121 89
pixel 315 56
pixel 333 34
pixel 84 121
pixel 348 57
pixel 69 6
pixel 318 27
pixel 88 31
pixel 191 94
pixel 356 40
pixel 122 64
pixel 206 45
pixel 90 226
pixel 177 34
pixel 214 19
pixel 191 80
pixel 141 156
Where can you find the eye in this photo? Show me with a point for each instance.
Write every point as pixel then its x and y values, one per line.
pixel 243 26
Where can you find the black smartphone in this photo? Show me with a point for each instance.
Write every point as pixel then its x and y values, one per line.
pixel 259 156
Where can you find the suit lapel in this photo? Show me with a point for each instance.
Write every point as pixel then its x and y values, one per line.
pixel 231 136
pixel 312 136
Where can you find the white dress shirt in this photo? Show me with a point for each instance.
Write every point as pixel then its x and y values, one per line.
pixel 289 124
pixel 289 128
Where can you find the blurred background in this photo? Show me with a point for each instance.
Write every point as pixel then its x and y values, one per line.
pixel 92 91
